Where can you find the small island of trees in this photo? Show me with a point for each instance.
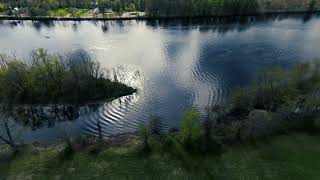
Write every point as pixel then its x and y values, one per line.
pixel 47 78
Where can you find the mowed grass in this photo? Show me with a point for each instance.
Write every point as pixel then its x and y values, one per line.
pixel 60 12
pixel 286 157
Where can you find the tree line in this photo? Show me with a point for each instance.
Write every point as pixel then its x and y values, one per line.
pixel 165 7
pixel 47 5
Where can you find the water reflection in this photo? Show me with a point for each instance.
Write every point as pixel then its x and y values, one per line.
pixel 38 25
pixel 38 117
pixel 221 24
pixel 181 64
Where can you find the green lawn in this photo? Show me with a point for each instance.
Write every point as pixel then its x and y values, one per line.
pixel 63 12
pixel 60 12
pixel 294 157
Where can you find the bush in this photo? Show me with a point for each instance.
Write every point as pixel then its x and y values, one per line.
pixel 190 129
pixel 145 135
pixel 242 102
pixel 2 7
pixel 59 13
pixel 68 151
pixel 312 5
pixel 279 101
pixel 258 125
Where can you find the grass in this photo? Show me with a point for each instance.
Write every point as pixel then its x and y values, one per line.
pixel 64 12
pixel 285 157
pixel 82 13
pixel 60 12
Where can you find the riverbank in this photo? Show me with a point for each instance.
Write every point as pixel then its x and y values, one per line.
pixel 90 18
pixel 284 157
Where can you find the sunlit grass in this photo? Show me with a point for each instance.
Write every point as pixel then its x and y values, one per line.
pixel 60 12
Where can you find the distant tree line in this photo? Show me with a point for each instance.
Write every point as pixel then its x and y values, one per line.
pixel 199 7
pixel 46 5
pixel 165 7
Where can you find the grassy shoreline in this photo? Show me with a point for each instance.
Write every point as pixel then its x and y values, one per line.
pixel 283 157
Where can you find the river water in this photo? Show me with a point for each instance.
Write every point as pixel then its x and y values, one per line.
pixel 182 65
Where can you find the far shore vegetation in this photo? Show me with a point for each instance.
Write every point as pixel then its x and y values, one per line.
pixel 148 8
pixel 268 130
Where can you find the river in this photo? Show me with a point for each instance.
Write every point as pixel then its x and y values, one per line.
pixel 181 65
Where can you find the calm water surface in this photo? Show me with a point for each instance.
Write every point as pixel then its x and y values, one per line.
pixel 182 65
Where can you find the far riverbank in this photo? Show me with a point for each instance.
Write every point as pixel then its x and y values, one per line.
pixel 227 16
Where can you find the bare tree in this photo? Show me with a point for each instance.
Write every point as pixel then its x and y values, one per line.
pixel 6 135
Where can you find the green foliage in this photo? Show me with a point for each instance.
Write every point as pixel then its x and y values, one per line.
pixel 287 157
pixel 145 135
pixel 192 137
pixel 161 7
pixel 312 4
pixel 68 151
pixel 60 12
pixel 279 100
pixel 276 88
pixel 38 11
pixel 130 7
pixel 81 12
pixel 242 100
pixel 190 128
pixel 2 7
pixel 200 7
pixel 240 6
pixel 49 78
pixel 59 7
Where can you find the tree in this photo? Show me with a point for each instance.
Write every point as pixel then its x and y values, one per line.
pixel 6 137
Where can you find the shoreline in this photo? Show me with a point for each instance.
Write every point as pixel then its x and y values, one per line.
pixel 257 14
pixel 100 102
pixel 283 156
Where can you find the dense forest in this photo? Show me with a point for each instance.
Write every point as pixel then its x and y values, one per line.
pixel 160 7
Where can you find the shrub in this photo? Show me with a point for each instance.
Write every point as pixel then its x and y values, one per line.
pixel 190 129
pixel 241 102
pixel 2 7
pixel 68 151
pixel 59 13
pixel 258 125
pixel 145 136
pixel 279 101
pixel 312 5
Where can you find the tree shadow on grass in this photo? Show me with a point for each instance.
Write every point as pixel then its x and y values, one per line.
pixel 7 156
pixel 59 161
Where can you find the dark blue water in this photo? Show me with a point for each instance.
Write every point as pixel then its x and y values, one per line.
pixel 182 65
